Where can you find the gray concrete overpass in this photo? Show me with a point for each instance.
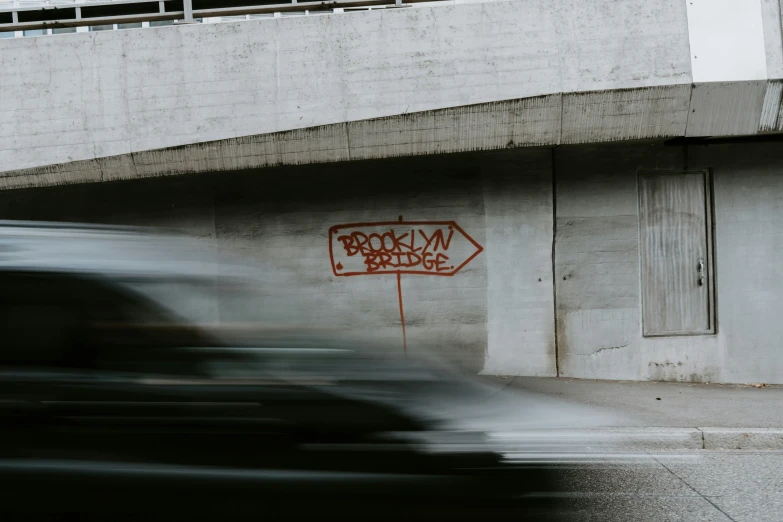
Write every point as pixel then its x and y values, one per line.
pixel 514 104
pixel 374 84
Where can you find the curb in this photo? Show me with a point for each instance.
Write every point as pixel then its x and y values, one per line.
pixel 743 438
pixel 640 439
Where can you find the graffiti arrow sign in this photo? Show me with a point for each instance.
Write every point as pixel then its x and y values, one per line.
pixel 400 247
pixel 440 248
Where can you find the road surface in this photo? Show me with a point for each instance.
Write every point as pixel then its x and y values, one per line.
pixel 720 486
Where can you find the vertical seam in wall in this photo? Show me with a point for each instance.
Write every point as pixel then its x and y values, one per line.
pixel 690 104
pixel 554 232
pixel 133 162
pixel 348 139
pixel 560 134
pixel 554 278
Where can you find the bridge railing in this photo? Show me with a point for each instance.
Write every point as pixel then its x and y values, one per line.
pixel 57 14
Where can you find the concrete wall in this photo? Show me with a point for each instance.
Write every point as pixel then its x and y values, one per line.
pixel 597 258
pixel 518 218
pixel 749 245
pixel 498 314
pixel 597 266
pixel 280 219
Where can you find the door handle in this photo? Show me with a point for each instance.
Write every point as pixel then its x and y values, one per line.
pixel 700 268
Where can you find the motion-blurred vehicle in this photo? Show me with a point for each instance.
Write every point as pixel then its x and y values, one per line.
pixel 112 404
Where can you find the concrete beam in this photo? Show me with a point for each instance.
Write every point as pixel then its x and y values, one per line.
pixel 655 112
pixel 648 113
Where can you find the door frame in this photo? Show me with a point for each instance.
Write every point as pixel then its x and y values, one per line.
pixel 712 298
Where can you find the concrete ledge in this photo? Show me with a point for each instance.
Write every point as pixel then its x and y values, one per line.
pixel 586 117
pixel 743 438
pixel 612 439
pixel 660 112
pixel 598 440
pixel 656 439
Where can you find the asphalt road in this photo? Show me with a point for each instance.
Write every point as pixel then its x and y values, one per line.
pixel 683 486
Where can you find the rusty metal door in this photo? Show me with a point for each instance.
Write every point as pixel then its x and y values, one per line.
pixel 676 262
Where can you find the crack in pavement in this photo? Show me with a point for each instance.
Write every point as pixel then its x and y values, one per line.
pixel 693 489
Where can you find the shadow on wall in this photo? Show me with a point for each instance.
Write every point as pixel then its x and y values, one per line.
pixel 281 218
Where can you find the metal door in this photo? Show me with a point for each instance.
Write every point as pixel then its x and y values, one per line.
pixel 676 262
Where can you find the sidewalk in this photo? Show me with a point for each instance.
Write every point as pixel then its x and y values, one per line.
pixel 664 415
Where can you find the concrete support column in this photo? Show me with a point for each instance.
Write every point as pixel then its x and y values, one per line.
pixel 520 303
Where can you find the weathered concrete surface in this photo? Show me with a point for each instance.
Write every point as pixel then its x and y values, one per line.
pixel 596 256
pixel 366 85
pixel 280 220
pixel 748 245
pixel 518 218
pixel 94 95
pixel 534 121
pixel 660 404
pixel 597 266
pixel 721 109
pixel 498 314
pixel 561 418
pixel 747 439
pixel 655 112
pixel 727 108
pixel 597 443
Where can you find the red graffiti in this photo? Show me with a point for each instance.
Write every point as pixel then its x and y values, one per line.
pixel 423 247
pixel 400 247
pixel 388 250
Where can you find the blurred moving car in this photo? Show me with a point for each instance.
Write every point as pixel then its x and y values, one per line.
pixel 114 405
